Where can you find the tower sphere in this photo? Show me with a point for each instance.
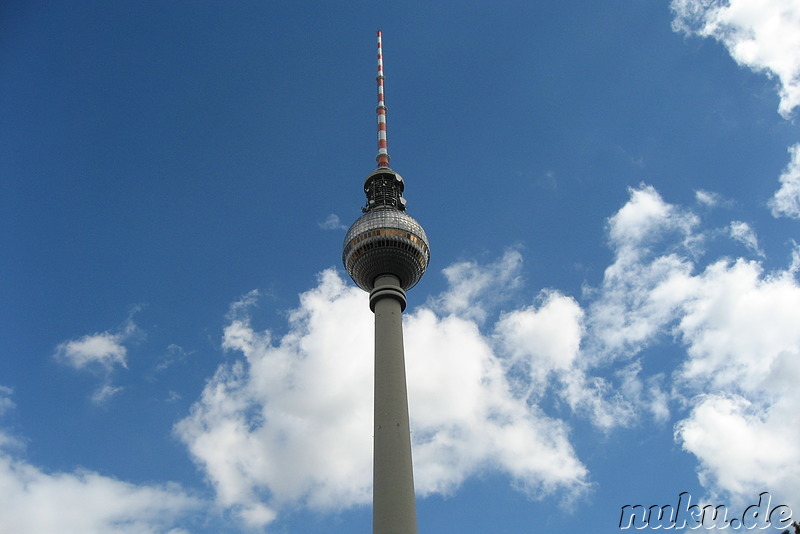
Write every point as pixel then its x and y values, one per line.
pixel 385 241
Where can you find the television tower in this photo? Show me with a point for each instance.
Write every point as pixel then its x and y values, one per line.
pixel 386 252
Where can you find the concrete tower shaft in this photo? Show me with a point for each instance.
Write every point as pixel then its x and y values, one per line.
pixel 394 509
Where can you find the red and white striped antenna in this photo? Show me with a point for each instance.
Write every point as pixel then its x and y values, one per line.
pixel 383 154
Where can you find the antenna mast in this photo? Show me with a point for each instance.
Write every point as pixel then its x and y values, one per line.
pixel 383 154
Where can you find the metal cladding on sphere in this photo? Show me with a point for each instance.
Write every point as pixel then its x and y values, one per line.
pixel 385 241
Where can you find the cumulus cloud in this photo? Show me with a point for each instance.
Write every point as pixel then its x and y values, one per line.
pixel 479 375
pixel 794 267
pixel 743 347
pixel 742 445
pixel 475 289
pixel 738 327
pixel 466 414
pixel 102 353
pixel 257 429
pixel 104 393
pixel 649 278
pixel 740 324
pixel 81 502
pixel 763 35
pixel 786 200
pixel 544 339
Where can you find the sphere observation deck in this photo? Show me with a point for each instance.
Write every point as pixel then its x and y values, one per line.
pixel 385 240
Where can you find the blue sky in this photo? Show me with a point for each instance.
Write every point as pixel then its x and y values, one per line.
pixel 611 315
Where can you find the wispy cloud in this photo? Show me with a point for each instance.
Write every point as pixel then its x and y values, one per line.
pixel 175 354
pixel 742 232
pixel 101 353
pixel 332 223
pixel 6 402
pixel 710 199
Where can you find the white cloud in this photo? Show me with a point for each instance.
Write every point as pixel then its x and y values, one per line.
pixel 466 416
pixel 744 234
pixel 763 35
pixel 708 198
pixel 36 502
pixel 332 223
pixel 82 502
pixel 641 290
pixel 647 393
pixel 742 445
pixel 256 431
pixel 646 219
pixel 175 354
pixel 104 393
pixel 794 267
pixel 104 348
pixel 786 200
pixel 542 340
pixel 102 353
pixel 6 403
pixel 474 289
pixel 744 356
pixel 475 383
pixel 550 334
pixel 739 327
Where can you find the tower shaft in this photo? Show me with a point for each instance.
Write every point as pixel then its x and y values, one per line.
pixel 394 507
